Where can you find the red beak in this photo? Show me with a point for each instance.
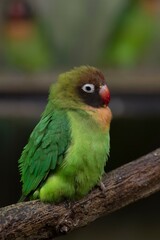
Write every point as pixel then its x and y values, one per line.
pixel 105 94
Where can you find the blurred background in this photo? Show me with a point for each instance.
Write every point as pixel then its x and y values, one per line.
pixel 39 39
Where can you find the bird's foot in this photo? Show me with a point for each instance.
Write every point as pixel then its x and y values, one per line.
pixel 102 187
pixel 67 204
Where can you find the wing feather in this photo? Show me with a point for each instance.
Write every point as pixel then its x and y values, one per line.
pixel 46 148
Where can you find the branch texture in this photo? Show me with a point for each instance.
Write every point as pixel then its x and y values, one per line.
pixel 127 184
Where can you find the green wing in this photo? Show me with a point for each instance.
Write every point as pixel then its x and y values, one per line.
pixel 45 150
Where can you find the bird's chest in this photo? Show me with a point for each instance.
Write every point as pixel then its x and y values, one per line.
pixel 88 152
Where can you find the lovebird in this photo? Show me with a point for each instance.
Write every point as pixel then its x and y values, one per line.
pixel 132 35
pixel 67 150
pixel 25 44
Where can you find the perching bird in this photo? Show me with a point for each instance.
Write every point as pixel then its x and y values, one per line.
pixel 132 35
pixel 26 47
pixel 68 149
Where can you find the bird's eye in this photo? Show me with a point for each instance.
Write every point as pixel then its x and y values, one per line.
pixel 89 88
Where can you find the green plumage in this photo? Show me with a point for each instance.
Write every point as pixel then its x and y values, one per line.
pixel 67 150
pixel 44 151
pixel 25 44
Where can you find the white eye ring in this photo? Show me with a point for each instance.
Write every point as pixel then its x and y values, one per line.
pixel 88 88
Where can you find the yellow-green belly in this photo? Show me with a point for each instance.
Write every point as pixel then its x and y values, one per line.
pixel 84 163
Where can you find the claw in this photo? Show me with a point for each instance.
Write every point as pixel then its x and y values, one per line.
pixel 67 204
pixel 102 187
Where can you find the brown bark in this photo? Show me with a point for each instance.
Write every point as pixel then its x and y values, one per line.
pixel 127 184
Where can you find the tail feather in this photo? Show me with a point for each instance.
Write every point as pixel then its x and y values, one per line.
pixel 22 198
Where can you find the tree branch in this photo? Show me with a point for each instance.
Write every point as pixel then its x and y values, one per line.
pixel 127 184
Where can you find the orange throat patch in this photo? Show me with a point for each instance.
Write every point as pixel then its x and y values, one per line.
pixel 102 116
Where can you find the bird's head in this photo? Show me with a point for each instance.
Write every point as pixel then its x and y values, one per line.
pixel 79 87
pixel 18 10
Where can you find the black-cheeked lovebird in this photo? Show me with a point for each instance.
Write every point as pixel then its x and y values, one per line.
pixel 67 150
pixel 25 45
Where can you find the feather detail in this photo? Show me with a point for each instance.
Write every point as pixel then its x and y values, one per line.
pixel 103 116
pixel 46 148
